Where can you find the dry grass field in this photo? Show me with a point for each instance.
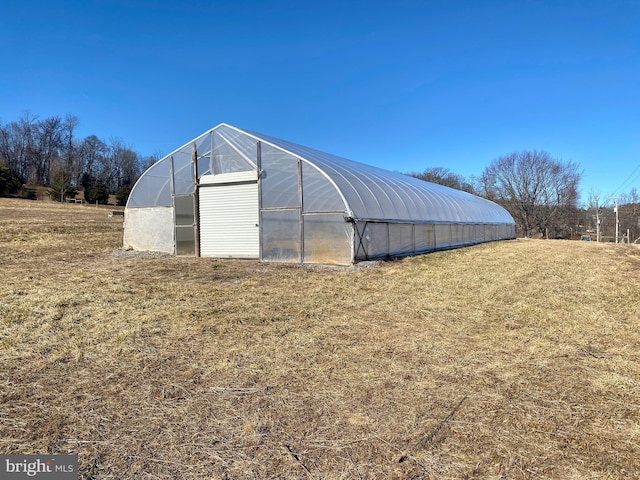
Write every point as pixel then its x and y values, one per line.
pixel 509 360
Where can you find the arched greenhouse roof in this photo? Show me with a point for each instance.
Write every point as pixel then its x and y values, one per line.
pixel 367 192
pixel 373 193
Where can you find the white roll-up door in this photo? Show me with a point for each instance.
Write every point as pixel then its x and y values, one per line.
pixel 229 216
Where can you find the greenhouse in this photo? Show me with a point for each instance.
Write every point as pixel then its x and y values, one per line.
pixel 232 193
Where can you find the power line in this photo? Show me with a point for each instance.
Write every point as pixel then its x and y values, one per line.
pixel 628 180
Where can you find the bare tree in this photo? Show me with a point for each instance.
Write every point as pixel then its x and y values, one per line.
pixel 30 147
pixel 444 176
pixel 45 148
pixel 48 153
pixel 11 150
pixel 629 216
pixel 539 191
pixel 16 144
pixel 147 161
pixel 123 165
pixel 630 197
pixel 71 162
pixel 594 212
pixel 91 153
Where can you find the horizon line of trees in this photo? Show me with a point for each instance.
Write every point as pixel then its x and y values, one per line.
pixel 541 193
pixel 48 152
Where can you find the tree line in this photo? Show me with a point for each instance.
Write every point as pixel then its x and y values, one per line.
pixel 48 152
pixel 540 192
pixel 542 195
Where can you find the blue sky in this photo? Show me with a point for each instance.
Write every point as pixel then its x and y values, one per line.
pixel 404 85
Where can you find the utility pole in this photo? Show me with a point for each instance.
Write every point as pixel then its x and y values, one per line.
pixel 597 222
pixel 617 221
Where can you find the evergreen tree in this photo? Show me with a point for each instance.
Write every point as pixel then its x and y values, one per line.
pixel 61 188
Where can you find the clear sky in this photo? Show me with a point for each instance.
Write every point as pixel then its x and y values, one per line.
pixel 400 84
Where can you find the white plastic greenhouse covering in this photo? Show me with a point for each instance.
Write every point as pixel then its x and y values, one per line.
pixel 311 206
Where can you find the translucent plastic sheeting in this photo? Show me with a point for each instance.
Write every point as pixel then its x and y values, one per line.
pixel 149 229
pixel 401 240
pixel 203 151
pixel 457 235
pixel 366 192
pixel 281 235
pixel 424 238
pixel 233 151
pixel 184 210
pixel 183 176
pixel 243 144
pixel 384 240
pixel 374 193
pixel 327 239
pixel 444 239
pixel 373 241
pixel 318 193
pixel 153 189
pixel 185 240
pixel 185 224
pixel 279 178
pixel 505 232
pixel 316 207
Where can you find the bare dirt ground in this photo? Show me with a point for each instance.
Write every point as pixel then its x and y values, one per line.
pixel 508 360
